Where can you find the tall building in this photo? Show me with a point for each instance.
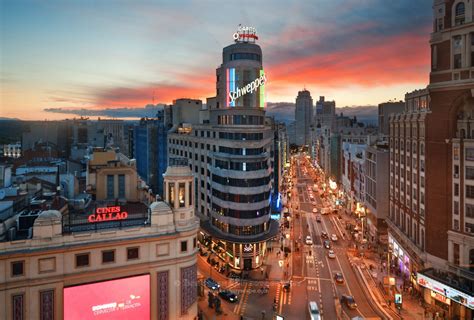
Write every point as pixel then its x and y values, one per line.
pixel 325 112
pixel 228 146
pixel 384 111
pixel 150 138
pixel 376 190
pixel 431 186
pixel 127 260
pixel 303 117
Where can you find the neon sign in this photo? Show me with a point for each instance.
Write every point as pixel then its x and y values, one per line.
pixel 245 34
pixel 104 214
pixel 249 88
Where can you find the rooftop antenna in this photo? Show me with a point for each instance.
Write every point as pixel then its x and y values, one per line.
pixel 153 97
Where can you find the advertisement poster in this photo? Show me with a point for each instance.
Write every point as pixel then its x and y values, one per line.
pixel 119 299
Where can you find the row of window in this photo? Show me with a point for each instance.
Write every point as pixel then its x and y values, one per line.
pixel 240 120
pixel 241 151
pixel 240 136
pixel 245 56
pixel 241 198
pixel 241 166
pixel 240 230
pixel 83 259
pixel 241 182
pixel 243 214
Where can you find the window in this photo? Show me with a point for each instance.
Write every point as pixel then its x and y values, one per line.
pixel 190 194
pixel 108 256
pixel 181 194
pixel 457 61
pixel 18 268
pixel 456 224
pixel 184 246
pixel 110 186
pixel 469 173
pixel 469 210
pixel 470 192
pixel 460 9
pixel 456 189
pixel 132 253
pixel 456 207
pixel 456 153
pixel 456 254
pixel 18 306
pixel 47 305
pixel 194 242
pixel 470 154
pixel 82 260
pixel 171 193
pixel 121 181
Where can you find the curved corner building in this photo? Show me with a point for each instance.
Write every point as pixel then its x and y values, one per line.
pixel 230 150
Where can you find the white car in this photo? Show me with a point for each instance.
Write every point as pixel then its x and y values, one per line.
pixel 333 237
pixel 331 254
pixel 315 210
pixel 314 311
pixel 308 240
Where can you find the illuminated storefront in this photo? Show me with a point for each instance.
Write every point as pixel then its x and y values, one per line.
pixel 399 258
pixel 441 293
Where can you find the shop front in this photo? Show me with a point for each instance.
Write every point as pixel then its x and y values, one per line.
pixel 447 294
pixel 234 252
pixel 400 262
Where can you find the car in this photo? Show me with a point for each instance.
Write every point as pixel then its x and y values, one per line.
pixel 318 218
pixel 327 244
pixel 334 237
pixel 212 284
pixel 308 240
pixel 331 254
pixel 339 278
pixel 228 295
pixel 324 235
pixel 313 310
pixel 315 210
pixel 234 275
pixel 287 286
pixel 349 301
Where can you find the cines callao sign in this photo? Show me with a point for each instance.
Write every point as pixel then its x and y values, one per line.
pixel 104 214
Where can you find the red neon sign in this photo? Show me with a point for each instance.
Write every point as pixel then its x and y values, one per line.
pixel 107 214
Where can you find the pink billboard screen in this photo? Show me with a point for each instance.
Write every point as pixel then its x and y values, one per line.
pixel 119 299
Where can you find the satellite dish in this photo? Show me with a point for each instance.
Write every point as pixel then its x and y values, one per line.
pixel 2 194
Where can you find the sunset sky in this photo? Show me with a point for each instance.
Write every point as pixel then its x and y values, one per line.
pixel 109 54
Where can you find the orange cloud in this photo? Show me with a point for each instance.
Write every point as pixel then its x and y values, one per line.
pixel 399 59
pixel 196 88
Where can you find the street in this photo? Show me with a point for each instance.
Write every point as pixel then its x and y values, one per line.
pixel 308 268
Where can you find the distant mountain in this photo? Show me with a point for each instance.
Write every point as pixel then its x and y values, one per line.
pixel 282 111
pixel 285 111
pixel 366 114
pixel 9 119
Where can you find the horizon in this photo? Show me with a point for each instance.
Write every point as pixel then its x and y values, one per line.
pixel 352 55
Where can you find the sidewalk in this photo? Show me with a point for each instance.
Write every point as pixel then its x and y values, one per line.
pixel 411 308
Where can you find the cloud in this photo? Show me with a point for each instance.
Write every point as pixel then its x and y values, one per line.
pixel 147 111
pixel 397 59
pixel 197 87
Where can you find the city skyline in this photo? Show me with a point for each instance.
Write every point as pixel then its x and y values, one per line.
pixel 92 55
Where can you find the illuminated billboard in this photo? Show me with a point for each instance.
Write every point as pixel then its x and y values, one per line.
pixel 120 299
pixel 446 291
pixel 238 86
